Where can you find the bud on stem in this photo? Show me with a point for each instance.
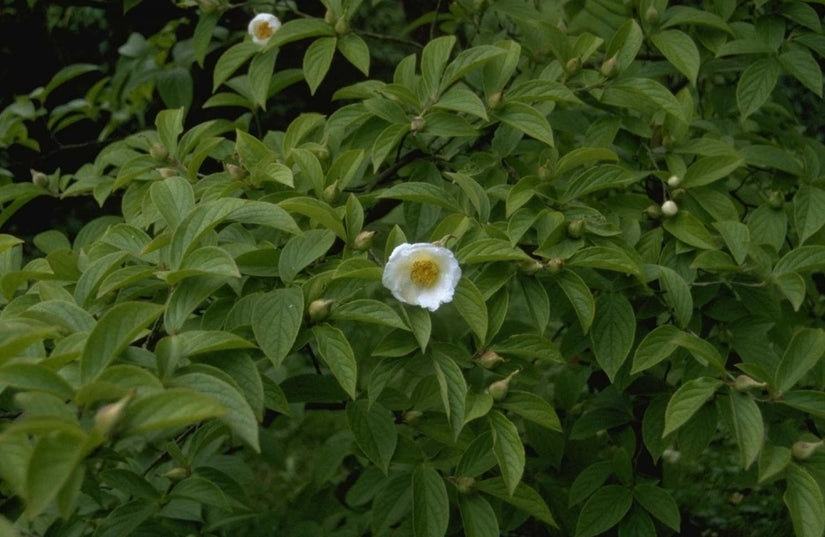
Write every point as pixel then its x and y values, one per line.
pixel 499 388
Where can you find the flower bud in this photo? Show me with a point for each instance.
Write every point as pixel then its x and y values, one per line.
pixel 318 310
pixel 530 267
pixel 363 241
pixel 489 359
pixel 234 171
pixel 776 200
pixel 176 474
pixel 411 417
pixel 167 172
pixel 671 455
pixel 109 416
pixel 494 100
pixel 744 383
pixel 465 485
pixel 803 450
pixel 652 14
pixel 573 65
pixel 39 178
pixel 341 26
pixel 159 152
pixel 555 265
pixel 499 388
pixel 610 66
pixel 736 498
pixel 331 193
pixel 575 229
pixel 329 17
pixel 673 181
pixel 417 124
pixel 654 211
pixel 669 208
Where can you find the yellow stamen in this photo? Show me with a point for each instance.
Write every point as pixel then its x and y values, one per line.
pixel 263 30
pixel 424 272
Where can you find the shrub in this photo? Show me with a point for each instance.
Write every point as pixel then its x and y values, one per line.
pixel 634 195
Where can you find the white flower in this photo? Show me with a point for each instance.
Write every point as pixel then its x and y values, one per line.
pixel 262 27
pixel 669 208
pixel 422 274
pixel 674 181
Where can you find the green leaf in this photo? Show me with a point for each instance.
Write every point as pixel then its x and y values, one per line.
pixel 801 259
pixel 755 85
pixel 805 502
pixel 606 258
pixel 613 332
pixel 677 294
pixel 801 64
pixel 471 306
pixel 298 29
pixel 434 58
pixel 174 198
pixel 625 44
pixel 231 60
pixel 170 124
pixel 421 324
pixel 737 238
pixel 645 95
pixel 113 333
pixel 453 389
pixel 527 119
pixel 35 377
pixel 196 224
pixel 680 50
pixel 579 296
pixel 130 483
pixel 336 353
pixel 605 508
pixel 659 503
pixel 317 60
pixel 240 417
pixel 589 481
pixel 368 311
pixel 52 463
pixel 772 461
pixel 485 250
pixel 792 285
pixel 316 210
pixel 207 22
pixel 7 241
pixel 582 156
pixel 460 99
pixel 707 170
pixel 374 429
pixel 430 504
pixel 477 516
pixel 62 313
pixel 529 346
pixel 200 490
pixel 524 498
pixel 421 193
pixel 748 427
pixel 392 502
pixel 598 178
pixel 124 519
pixel 508 449
pixel 532 407
pixel 302 250
pixel 260 73
pixel 687 400
pixel 808 401
pixel 186 297
pixel 808 211
pixel 356 51
pixel 468 60
pixel 205 261
pixel 804 351
pixel 690 230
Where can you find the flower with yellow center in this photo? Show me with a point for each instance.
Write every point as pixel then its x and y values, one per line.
pixel 263 27
pixel 422 274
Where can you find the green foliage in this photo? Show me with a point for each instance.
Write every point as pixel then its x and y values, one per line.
pixel 632 190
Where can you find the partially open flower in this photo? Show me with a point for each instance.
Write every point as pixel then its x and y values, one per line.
pixel 263 27
pixel 422 274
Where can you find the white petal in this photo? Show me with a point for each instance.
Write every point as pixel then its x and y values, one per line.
pixel 397 275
